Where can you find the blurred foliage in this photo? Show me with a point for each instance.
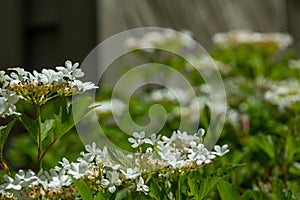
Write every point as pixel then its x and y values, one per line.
pixel 262 136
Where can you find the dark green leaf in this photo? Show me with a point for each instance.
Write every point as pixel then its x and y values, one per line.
pixel 100 196
pixel 30 124
pixel 205 186
pixel 47 125
pixel 122 194
pixel 4 131
pixel 83 189
pixel 228 191
pixel 155 190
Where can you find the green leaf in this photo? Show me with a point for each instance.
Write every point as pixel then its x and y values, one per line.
pixel 100 196
pixel 228 191
pixel 80 107
pixel 291 147
pixel 30 124
pixel 5 130
pixel 69 116
pixel 123 194
pixel 63 120
pixel 266 144
pixel 83 189
pixel 47 125
pixel 207 185
pixel 259 195
pixel 280 193
pixel 199 191
pixel 155 190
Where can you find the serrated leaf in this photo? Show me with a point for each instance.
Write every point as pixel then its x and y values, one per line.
pixel 228 191
pixel 63 120
pixel 122 194
pixel 47 125
pixel 207 185
pixel 83 189
pixel 200 189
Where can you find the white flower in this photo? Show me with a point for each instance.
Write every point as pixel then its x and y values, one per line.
pixel 112 181
pixel 131 173
pixel 114 106
pixel 220 151
pixel 59 179
pixel 172 157
pixel 18 77
pixel 11 183
pixel 152 140
pixel 8 99
pixel 83 86
pixel 77 170
pixel 283 93
pixel 20 180
pixel 199 153
pixel 167 39
pixel 3 79
pixel 54 178
pixel 50 76
pixel 170 95
pixel 70 70
pixel 137 140
pixel 92 150
pixel 65 163
pixel 141 187
pixel 102 158
pixel 237 37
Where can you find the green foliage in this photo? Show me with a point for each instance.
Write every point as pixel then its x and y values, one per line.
pixel 83 189
pixel 264 135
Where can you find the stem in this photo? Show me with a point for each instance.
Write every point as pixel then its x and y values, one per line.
pixel 4 166
pixel 52 144
pixel 39 137
pixel 48 149
pixel 178 195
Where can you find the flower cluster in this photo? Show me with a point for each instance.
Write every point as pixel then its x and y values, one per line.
pixel 205 62
pixel 282 93
pixel 294 64
pixel 180 151
pixel 114 106
pixel 157 40
pixel 237 37
pixel 37 88
pixel 170 95
pixel 107 174
pixel 7 103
